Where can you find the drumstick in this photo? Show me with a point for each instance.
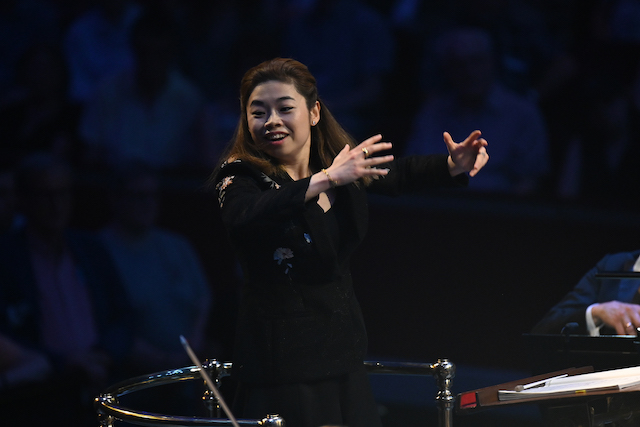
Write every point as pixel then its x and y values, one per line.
pixel 207 379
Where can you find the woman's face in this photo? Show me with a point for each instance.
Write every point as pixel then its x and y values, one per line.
pixel 280 122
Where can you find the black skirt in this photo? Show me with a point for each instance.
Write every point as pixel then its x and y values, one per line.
pixel 346 400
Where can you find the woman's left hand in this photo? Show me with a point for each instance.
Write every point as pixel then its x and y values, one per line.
pixel 468 156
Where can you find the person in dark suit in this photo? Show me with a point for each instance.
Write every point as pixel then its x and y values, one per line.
pixel 60 297
pixel 599 305
pixel 292 195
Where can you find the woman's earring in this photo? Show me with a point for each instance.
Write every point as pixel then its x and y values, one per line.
pixel 313 123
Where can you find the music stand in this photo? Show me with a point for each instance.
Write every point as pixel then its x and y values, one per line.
pixel 587 408
pixel 549 353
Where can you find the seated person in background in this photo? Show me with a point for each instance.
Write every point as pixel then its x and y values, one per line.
pixel 161 273
pixel 599 306
pixel 20 365
pixel 97 44
pixel 472 96
pixel 60 297
pixel 149 113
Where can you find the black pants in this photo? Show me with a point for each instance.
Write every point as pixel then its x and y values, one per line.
pixel 346 400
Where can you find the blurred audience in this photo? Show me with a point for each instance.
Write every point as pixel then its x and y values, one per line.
pixel 625 20
pixel 213 43
pixel 472 97
pixel 97 45
pixel 166 286
pixel 23 24
pixel 522 32
pixel 166 98
pixel 209 34
pixel 349 48
pixel 20 365
pixel 161 272
pixel 609 124
pixel 413 24
pixel 41 118
pixel 586 97
pixel 61 297
pixel 150 113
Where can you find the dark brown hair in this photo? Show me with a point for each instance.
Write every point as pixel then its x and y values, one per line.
pixel 328 138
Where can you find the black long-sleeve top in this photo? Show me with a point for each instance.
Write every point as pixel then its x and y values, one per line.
pixel 299 319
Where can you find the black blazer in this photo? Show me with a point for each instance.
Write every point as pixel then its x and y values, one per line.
pixel 299 319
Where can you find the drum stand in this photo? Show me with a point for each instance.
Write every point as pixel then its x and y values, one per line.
pixel 109 411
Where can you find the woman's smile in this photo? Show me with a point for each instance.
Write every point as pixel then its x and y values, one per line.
pixel 275 138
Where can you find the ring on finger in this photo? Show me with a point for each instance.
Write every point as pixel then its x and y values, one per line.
pixel 365 151
pixel 629 324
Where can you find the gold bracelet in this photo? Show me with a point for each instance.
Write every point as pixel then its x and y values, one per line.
pixel 332 182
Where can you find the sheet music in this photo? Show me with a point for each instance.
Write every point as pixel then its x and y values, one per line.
pixel 611 380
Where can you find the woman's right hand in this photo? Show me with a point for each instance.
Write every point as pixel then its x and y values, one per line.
pixel 352 164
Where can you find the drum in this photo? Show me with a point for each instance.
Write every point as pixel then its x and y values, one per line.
pixel 109 410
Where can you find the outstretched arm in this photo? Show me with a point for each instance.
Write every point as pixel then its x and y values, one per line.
pixel 350 165
pixel 468 156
